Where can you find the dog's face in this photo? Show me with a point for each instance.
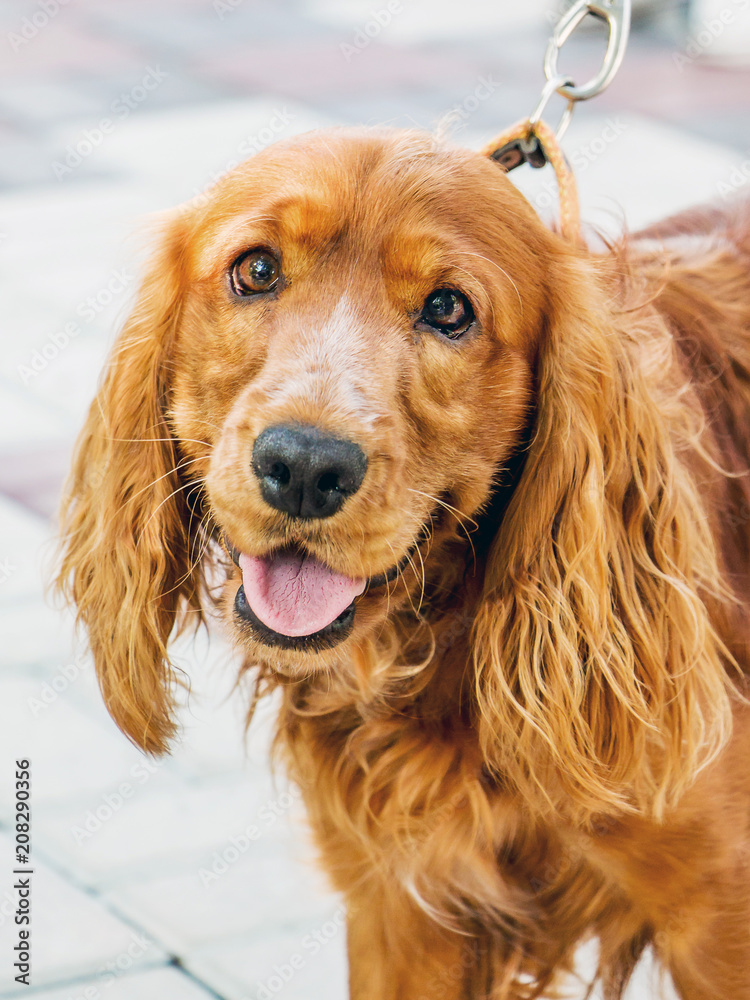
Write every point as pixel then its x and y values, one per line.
pixel 352 363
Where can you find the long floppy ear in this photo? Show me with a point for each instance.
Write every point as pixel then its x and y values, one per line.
pixel 602 684
pixel 127 560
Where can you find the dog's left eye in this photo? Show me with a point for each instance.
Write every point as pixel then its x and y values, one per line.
pixel 253 272
pixel 448 311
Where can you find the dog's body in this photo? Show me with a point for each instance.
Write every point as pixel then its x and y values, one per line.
pixel 489 500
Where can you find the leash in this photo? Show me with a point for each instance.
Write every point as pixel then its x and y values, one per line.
pixel 532 141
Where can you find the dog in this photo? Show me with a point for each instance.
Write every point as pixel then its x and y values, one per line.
pixel 476 501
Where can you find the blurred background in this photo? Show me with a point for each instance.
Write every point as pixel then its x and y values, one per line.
pixel 191 878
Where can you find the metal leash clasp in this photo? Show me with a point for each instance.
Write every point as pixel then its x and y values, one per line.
pixel 527 148
pixel 616 13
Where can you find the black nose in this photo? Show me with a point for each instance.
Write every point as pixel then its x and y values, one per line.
pixel 306 472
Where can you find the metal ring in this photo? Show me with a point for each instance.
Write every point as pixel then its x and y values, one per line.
pixel 554 86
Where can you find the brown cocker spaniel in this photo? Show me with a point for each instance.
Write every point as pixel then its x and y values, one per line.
pixel 477 501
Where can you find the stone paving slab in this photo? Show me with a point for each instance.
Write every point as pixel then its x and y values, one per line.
pixel 421 21
pixel 237 889
pixel 73 931
pixel 77 757
pixel 163 983
pixel 24 545
pixel 317 70
pixel 294 963
pixel 151 825
pixel 59 48
pixel 30 629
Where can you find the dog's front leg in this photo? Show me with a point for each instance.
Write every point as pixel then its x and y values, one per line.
pixel 397 952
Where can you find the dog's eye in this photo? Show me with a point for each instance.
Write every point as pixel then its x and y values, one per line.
pixel 253 272
pixel 447 311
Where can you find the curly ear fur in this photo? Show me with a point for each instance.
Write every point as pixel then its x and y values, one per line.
pixel 126 559
pixel 602 685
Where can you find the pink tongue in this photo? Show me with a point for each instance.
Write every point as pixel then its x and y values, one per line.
pixel 295 594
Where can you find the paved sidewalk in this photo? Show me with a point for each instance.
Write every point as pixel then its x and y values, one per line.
pixel 146 883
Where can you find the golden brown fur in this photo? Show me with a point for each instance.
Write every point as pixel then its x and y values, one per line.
pixel 538 732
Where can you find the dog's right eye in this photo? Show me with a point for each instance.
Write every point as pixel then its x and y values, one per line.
pixel 448 311
pixel 254 272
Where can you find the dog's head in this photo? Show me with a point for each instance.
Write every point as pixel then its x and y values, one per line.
pixel 353 354
pixel 335 356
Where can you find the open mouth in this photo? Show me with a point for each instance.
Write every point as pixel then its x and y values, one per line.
pixel 295 597
pixel 324 638
pixel 293 601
